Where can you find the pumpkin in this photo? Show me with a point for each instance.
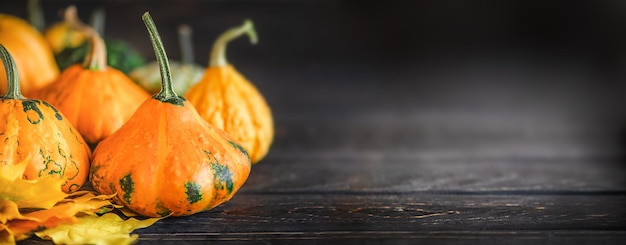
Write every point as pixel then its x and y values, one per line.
pixel 228 101
pixel 185 72
pixel 62 35
pixel 34 129
pixel 120 55
pixel 33 57
pixel 166 160
pixel 95 98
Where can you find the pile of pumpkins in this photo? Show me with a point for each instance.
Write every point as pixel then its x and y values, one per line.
pixel 161 154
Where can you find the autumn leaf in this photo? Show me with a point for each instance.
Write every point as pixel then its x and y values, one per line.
pixel 41 193
pixel 21 224
pixel 40 206
pixel 107 229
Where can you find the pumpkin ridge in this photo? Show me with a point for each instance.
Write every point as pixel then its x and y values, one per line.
pixel 226 86
pixel 251 108
pixel 78 102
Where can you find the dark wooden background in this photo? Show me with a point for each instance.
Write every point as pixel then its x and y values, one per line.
pixel 455 122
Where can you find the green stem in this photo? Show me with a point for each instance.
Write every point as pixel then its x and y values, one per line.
pixel 13 80
pixel 186 44
pixel 218 53
pixel 167 93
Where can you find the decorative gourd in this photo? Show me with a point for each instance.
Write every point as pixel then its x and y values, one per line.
pixel 228 101
pixel 120 54
pixel 34 128
pixel 33 57
pixel 185 73
pixel 95 98
pixel 166 160
pixel 62 35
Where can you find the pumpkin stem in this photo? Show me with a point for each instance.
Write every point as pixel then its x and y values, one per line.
pixel 218 53
pixel 98 21
pixel 13 80
pixel 186 44
pixel 167 93
pixel 35 15
pixel 96 59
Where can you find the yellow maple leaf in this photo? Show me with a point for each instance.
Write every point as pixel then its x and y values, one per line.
pixel 41 193
pixel 40 205
pixel 107 229
pixel 20 225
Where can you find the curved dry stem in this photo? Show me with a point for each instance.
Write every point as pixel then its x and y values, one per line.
pixel 96 59
pixel 218 53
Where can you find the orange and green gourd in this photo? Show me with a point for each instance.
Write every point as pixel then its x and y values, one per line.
pixel 228 101
pixel 62 35
pixel 74 46
pixel 166 160
pixel 32 54
pixel 96 98
pixel 34 129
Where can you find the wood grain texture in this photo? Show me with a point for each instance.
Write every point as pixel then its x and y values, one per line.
pixel 398 218
pixel 414 121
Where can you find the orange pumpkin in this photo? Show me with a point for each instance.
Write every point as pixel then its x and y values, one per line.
pixel 166 160
pixel 34 128
pixel 32 54
pixel 228 101
pixel 95 98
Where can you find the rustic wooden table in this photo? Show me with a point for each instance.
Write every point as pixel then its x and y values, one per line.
pixel 430 122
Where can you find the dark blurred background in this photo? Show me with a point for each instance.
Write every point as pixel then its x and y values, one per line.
pixel 512 76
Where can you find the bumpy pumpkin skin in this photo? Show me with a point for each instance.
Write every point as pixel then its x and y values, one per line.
pixel 228 101
pixel 166 160
pixel 32 54
pixel 34 127
pixel 96 102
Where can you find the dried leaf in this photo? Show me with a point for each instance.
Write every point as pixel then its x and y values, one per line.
pixel 20 225
pixel 127 212
pixel 106 229
pixel 32 205
pixel 41 193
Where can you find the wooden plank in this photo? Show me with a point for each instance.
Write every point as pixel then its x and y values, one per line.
pixel 412 237
pixel 426 172
pixel 398 219
pixel 359 218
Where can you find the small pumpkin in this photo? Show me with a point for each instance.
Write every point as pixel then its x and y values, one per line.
pixel 228 101
pixel 95 98
pixel 62 35
pixel 185 73
pixel 120 55
pixel 34 128
pixel 33 57
pixel 166 160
